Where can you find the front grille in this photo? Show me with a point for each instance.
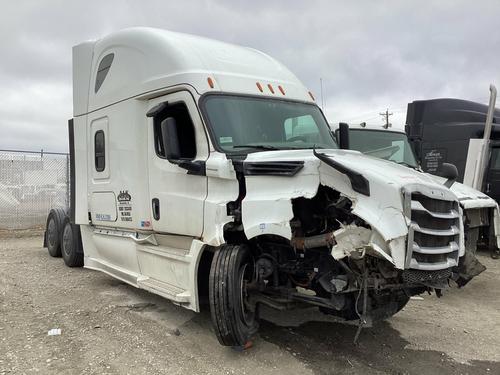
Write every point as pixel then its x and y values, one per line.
pixel 432 204
pixel 426 277
pixel 434 234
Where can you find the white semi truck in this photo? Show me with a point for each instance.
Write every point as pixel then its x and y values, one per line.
pixel 200 168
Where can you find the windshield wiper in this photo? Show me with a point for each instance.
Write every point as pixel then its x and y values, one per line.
pixel 261 147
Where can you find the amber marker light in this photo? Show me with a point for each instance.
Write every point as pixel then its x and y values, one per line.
pixel 281 90
pixel 259 86
pixel 311 95
pixel 210 82
pixel 270 88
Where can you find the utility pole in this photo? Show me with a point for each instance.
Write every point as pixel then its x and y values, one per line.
pixel 386 115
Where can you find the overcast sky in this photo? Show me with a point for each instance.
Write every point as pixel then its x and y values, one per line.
pixel 371 55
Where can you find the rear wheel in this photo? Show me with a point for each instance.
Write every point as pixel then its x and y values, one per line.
pixel 71 247
pixel 234 320
pixel 53 231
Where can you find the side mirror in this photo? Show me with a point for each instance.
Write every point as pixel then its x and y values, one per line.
pixel 343 136
pixel 450 172
pixel 170 139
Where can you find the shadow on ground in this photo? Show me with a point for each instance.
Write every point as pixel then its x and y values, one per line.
pixel 325 346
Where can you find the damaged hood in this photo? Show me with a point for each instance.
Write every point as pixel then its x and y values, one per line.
pixel 381 170
pixel 382 207
pixel 372 168
pixel 467 196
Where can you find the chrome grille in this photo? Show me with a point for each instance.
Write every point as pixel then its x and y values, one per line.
pixel 434 234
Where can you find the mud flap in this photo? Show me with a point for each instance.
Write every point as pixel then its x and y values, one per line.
pixel 468 267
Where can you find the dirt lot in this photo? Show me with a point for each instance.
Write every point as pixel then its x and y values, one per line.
pixel 111 328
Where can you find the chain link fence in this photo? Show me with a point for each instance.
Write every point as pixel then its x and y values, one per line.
pixel 31 183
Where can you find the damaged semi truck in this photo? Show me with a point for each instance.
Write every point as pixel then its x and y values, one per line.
pixel 204 169
pixel 480 212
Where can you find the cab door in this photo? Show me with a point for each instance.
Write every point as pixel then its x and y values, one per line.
pixel 492 187
pixel 176 195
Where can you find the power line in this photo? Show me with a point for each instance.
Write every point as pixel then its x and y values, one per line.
pixel 373 115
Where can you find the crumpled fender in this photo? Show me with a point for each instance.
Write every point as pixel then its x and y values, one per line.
pixel 382 210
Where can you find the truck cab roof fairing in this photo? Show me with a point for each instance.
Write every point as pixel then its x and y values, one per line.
pixel 148 59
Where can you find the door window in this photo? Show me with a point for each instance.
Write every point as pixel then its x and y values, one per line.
pixel 185 131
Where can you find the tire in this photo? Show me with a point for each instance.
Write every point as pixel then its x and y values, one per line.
pixel 233 322
pixel 53 231
pixel 71 244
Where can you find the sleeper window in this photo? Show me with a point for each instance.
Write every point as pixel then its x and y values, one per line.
pixel 99 151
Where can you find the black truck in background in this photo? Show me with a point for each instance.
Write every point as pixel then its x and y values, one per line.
pixel 449 131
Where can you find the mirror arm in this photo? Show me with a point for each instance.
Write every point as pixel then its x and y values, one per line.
pixel 451 173
pixel 194 167
pixel 449 183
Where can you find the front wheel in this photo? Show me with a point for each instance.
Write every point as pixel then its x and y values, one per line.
pixel 232 271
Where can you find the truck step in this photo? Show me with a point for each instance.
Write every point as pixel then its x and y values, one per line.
pixel 163 289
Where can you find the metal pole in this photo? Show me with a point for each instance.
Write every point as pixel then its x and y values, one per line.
pixel 491 112
pixel 482 160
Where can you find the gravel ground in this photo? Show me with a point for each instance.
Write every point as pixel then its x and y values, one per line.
pixel 108 327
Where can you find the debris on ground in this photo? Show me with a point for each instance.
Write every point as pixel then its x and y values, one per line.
pixel 54 332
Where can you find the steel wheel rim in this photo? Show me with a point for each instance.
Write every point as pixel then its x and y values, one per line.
pixel 247 316
pixel 67 240
pixel 52 232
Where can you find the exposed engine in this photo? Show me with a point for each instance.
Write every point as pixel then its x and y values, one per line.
pixel 360 286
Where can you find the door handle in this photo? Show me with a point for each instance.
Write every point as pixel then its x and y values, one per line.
pixel 156 208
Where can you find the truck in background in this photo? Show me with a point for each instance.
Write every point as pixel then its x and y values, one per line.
pixel 201 168
pixel 481 213
pixel 460 132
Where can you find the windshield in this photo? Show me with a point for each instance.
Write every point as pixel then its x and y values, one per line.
pixel 247 123
pixel 383 144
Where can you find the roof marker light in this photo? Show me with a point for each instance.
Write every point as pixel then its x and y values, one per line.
pixel 270 88
pixel 210 82
pixel 311 95
pixel 259 86
pixel 281 89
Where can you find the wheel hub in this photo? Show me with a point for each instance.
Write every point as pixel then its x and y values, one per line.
pixel 67 240
pixel 52 232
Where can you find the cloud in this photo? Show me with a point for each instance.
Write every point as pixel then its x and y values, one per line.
pixel 370 55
